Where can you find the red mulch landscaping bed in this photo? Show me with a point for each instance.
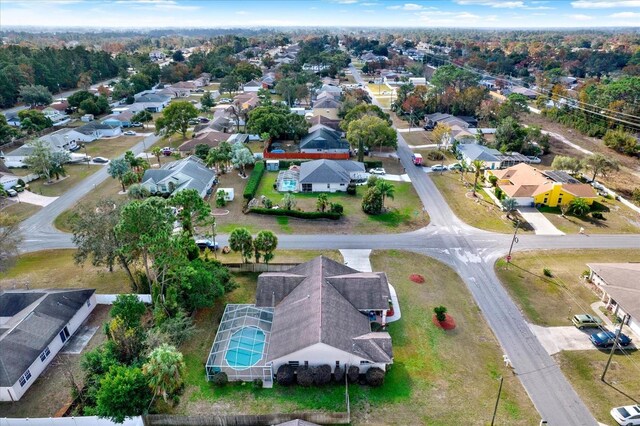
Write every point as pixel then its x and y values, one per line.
pixel 416 278
pixel 448 324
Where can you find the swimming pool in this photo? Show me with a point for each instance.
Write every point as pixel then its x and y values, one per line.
pixel 288 185
pixel 245 348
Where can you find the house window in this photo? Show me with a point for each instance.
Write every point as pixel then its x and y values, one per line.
pixel 545 200
pixel 342 184
pixel 337 364
pixel 560 200
pixel 306 187
pixel 306 363
pixel 88 303
pixel 64 334
pixel 294 364
pixel 328 186
pixel 364 362
pixel 45 354
pixel 25 378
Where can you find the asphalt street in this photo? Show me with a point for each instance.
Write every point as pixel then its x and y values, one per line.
pixel 470 251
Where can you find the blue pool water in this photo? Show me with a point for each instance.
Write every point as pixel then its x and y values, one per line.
pixel 245 348
pixel 288 185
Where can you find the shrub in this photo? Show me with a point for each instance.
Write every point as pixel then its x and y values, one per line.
pixel 21 183
pixel 285 376
pixel 435 155
pixel 220 379
pixel 220 199
pixel 353 374
pixel 499 193
pixel 372 202
pixel 372 164
pixel 338 375
pixel 375 377
pixel 297 213
pixel 257 384
pixel 322 375
pixel 254 180
pixel 305 376
pixel 440 312
pixel 351 189
pixel 493 180
pixel 336 208
pixel 372 181
pixel 267 203
pixel 597 215
pixel 547 272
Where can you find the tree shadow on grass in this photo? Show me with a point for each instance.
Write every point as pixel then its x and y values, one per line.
pixel 621 392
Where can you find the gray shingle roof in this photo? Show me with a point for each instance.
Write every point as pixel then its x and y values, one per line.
pixel 324 139
pixel 23 343
pixel 479 152
pixel 199 175
pixel 327 103
pixel 328 171
pixel 309 309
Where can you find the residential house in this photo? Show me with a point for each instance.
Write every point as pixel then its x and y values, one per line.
pixel 371 57
pixel 34 326
pixel 210 138
pixel 247 101
pixel 252 86
pixel 157 55
pixel 8 180
pixel 432 120
pixel 100 130
pixel 174 92
pixel 319 312
pixel 60 140
pixel 12 119
pixel 188 173
pixel 328 175
pixel 122 119
pixel 619 286
pixel 327 103
pixel 521 91
pixel 418 81
pixel 530 186
pixel 269 80
pixel 492 158
pixel 324 140
pixel 152 102
pixel 334 90
pixel 324 121
pixel 185 85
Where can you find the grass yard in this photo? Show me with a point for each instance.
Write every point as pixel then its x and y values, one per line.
pixel 553 301
pixel 56 269
pixel 477 212
pixel 449 157
pixel 419 137
pixel 75 174
pixel 111 148
pixel 435 377
pixel 584 368
pixel 620 219
pixel 21 211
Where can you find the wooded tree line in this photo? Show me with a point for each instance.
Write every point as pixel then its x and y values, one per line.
pixel 56 69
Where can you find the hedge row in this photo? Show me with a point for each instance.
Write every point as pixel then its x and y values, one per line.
pixel 254 180
pixel 372 164
pixel 296 213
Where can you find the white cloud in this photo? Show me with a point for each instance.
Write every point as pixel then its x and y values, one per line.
pixel 408 6
pixel 580 17
pixel 241 12
pixel 508 4
pixel 626 15
pixel 347 1
pixel 368 4
pixel 601 4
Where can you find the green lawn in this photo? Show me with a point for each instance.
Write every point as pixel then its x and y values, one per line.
pixel 75 174
pixel 618 219
pixel 21 211
pixel 112 148
pixel 477 212
pixel 435 378
pixel 553 301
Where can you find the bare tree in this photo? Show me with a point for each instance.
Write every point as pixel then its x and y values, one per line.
pixel 10 239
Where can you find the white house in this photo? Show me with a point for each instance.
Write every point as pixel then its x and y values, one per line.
pixel 620 289
pixel 328 175
pixel 8 181
pixel 100 130
pixel 188 173
pixel 61 140
pixel 252 86
pixel 34 326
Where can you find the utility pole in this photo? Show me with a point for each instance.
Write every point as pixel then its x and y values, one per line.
pixel 613 348
pixel 495 409
pixel 514 240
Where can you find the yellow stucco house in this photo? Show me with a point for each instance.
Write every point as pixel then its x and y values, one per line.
pixel 530 186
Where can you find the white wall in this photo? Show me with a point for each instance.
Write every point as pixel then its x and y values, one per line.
pixel 524 201
pixel 333 151
pixel 38 366
pixel 70 421
pixel 332 187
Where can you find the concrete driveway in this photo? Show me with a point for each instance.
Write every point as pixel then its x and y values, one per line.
pixel 541 225
pixel 38 200
pixel 556 339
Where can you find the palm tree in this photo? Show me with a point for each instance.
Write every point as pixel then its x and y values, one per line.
pixel 579 207
pixel 164 370
pixel 386 188
pixel 477 165
pixel 510 205
pixel 157 151
pixel 216 158
pixel 464 167
pixel 322 203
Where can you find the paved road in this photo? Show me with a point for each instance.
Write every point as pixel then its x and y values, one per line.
pixel 471 252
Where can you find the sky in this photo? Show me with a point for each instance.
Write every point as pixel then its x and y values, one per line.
pixel 317 13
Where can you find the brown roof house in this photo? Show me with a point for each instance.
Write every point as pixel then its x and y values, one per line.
pixel 211 138
pixel 619 284
pixel 318 312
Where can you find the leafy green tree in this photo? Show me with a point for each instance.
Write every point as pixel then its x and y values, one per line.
pixel 579 207
pixel 572 164
pixel 362 110
pixel 156 151
pixel 138 192
pixel 265 245
pixel 117 169
pixel 7 132
pixel 40 160
pixel 229 84
pixel 191 207
pixel 123 392
pixel 510 135
pixel 200 283
pixel 37 118
pixel 129 309
pixel 138 164
pixel 621 141
pixel 58 160
pixel 288 201
pixel 386 188
pixel 175 118
pixel 78 97
pixel 128 341
pixel 322 202
pixel 510 205
pixel 240 240
pixel 164 371
pixel 270 119
pixel 515 105
pixel 372 202
pixel 453 76
pixel 35 95
pixel 241 156
pixel 371 131
pixel 245 71
pixel 477 166
pixel 10 238
pixel 600 165
pixel 143 117
pixel 207 100
pixel 178 56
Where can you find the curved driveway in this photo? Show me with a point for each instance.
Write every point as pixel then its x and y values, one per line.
pixel 470 251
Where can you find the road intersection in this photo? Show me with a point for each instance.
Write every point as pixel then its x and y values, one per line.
pixel 470 251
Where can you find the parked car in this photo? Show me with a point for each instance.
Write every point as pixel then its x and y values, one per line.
pixel 18 188
pixel 277 151
pixel 203 119
pixel 629 415
pixel 136 124
pixel 455 166
pixel 438 168
pixel 204 244
pixel 130 133
pixel 12 192
pixel 605 339
pixel 534 159
pixel 586 321
pixel 378 171
pixel 100 160
pixel 166 151
pixel 199 90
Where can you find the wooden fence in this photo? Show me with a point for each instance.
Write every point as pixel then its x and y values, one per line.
pixel 259 267
pixel 339 418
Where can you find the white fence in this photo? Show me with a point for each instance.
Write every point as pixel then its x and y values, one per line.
pixel 108 299
pixel 70 421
